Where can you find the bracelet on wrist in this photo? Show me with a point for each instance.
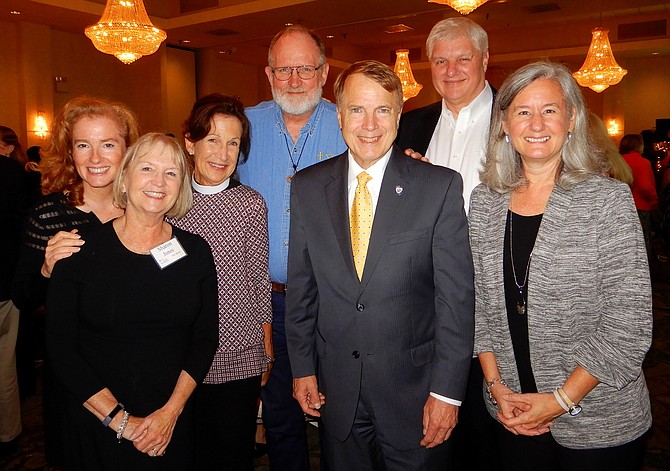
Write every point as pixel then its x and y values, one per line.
pixel 270 359
pixel 572 408
pixel 109 417
pixel 489 385
pixel 122 426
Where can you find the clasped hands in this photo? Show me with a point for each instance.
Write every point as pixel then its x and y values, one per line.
pixel 152 434
pixel 528 414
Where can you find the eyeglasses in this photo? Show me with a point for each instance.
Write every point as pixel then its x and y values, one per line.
pixel 305 72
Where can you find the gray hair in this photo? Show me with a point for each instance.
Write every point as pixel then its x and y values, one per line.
pixel 579 157
pixel 454 28
pixel 318 42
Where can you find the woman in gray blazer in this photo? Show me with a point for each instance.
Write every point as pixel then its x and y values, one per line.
pixel 563 297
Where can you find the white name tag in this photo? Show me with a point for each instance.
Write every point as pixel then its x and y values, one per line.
pixel 168 253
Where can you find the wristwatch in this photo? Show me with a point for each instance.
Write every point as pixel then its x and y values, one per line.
pixel 572 408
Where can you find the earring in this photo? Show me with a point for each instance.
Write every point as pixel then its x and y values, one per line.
pixel 507 138
pixel 569 135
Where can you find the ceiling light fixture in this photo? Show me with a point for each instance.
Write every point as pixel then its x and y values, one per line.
pixel 403 70
pixel 125 31
pixel 461 6
pixel 600 69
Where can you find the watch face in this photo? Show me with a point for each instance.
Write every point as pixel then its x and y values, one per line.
pixel 575 410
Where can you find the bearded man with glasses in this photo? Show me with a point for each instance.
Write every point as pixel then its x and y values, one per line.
pixel 296 129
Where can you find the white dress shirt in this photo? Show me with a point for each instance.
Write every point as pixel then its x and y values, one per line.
pixel 459 143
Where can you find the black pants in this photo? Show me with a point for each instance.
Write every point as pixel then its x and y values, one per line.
pixel 522 453
pixel 225 425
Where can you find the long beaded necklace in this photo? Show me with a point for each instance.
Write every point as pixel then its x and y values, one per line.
pixel 521 302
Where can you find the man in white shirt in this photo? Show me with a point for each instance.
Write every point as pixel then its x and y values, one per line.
pixel 453 131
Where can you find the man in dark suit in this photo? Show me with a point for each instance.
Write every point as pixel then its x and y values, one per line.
pixel 386 324
pixel 453 131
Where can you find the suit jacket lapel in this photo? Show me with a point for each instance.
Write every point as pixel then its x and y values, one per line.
pixel 337 198
pixel 391 197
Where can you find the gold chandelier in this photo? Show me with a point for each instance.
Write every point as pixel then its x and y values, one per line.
pixel 125 31
pixel 600 69
pixel 461 6
pixel 403 70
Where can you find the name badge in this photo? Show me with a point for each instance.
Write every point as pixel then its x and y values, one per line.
pixel 168 253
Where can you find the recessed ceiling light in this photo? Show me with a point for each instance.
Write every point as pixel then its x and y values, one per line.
pixel 399 28
pixel 14 12
pixel 330 36
pixel 655 53
pixel 288 24
pixel 184 41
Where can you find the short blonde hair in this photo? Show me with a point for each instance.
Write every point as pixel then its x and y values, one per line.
pixel 142 147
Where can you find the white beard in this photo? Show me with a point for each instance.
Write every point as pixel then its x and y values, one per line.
pixel 296 106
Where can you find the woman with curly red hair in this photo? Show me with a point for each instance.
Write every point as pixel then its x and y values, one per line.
pixel 89 138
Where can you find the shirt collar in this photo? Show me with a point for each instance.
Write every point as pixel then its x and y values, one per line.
pixel 376 170
pixel 481 103
pixel 311 122
pixel 210 190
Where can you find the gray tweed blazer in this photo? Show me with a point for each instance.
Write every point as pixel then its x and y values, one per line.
pixel 589 304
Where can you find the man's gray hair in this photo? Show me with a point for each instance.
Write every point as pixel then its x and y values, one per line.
pixel 454 28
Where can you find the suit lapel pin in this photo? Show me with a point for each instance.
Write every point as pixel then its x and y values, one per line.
pixel 398 190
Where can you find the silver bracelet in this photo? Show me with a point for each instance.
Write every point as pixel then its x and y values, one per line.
pixel 560 401
pixel 489 385
pixel 122 426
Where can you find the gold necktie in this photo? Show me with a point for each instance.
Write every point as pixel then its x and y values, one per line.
pixel 361 222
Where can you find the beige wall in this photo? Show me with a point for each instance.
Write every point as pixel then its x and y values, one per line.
pixel 162 87
pixel 216 75
pixel 180 88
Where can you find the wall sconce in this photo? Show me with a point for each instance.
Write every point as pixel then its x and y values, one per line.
pixel 41 129
pixel 613 127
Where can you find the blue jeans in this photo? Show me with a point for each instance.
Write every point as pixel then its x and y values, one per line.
pixel 282 416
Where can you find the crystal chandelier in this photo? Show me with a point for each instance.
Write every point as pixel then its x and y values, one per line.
pixel 461 6
pixel 125 31
pixel 600 69
pixel 403 70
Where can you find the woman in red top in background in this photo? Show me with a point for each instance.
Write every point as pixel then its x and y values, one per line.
pixel 644 185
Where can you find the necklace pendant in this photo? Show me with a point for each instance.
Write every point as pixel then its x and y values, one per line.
pixel 521 307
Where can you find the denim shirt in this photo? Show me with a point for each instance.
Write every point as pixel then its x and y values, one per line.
pixel 270 165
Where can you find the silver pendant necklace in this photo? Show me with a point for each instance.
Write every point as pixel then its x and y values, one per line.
pixel 521 302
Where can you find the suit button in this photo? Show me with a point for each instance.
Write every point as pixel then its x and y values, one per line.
pixel 355 354
pixel 360 307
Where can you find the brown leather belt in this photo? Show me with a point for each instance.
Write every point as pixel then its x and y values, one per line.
pixel 279 287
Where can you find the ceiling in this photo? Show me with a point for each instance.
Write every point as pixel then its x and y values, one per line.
pixel 241 30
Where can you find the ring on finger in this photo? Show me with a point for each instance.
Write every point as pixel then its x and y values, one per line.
pixel 154 451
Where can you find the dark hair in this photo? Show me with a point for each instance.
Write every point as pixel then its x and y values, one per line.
pixel 199 123
pixel 374 70
pixel 9 137
pixel 629 143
